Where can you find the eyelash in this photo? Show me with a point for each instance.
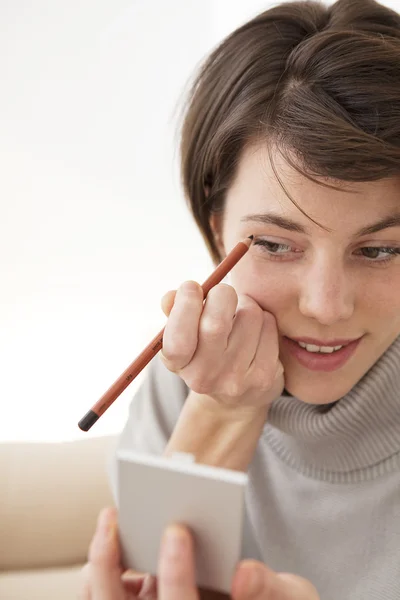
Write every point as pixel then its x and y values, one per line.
pixel 267 247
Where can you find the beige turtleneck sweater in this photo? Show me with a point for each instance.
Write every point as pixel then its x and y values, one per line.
pixel 323 499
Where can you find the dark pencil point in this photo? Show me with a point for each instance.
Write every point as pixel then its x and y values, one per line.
pixel 251 237
pixel 88 421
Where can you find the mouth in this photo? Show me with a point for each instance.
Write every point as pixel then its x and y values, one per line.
pixel 321 355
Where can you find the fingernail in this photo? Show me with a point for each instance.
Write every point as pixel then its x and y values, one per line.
pixel 190 286
pixel 174 543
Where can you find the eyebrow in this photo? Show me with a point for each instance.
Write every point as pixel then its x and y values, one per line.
pixel 290 225
pixel 272 219
pixel 385 223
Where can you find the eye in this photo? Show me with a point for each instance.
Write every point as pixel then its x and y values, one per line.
pixel 275 250
pixel 379 253
pixel 272 247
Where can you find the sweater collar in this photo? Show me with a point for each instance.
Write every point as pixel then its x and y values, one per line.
pixel 361 430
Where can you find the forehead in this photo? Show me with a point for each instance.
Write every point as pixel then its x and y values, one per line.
pixel 353 204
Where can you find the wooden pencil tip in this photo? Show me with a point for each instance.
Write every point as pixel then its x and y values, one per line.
pixel 248 241
pixel 88 420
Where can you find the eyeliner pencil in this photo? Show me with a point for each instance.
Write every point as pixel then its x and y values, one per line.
pixel 156 343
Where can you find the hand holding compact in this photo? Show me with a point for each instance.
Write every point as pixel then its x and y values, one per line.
pixel 103 577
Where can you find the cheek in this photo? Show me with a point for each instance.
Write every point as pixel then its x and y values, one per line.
pixel 380 297
pixel 266 285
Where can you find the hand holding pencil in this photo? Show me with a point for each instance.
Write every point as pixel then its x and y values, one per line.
pixel 229 350
pixel 221 347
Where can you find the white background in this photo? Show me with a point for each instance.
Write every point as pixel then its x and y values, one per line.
pixel 93 225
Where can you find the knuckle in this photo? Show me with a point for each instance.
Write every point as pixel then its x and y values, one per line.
pixel 222 296
pixel 177 356
pixel 178 347
pixel 263 378
pixel 234 387
pixel 213 328
pixel 188 299
pixel 218 312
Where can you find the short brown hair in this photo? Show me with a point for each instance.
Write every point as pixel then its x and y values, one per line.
pixel 321 83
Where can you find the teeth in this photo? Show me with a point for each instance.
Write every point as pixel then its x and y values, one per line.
pixel 322 349
pixel 312 348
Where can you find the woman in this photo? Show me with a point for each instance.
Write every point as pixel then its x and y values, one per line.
pixel 292 134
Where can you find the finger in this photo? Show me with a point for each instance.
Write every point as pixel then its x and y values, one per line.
pixel 266 370
pixel 215 327
pixel 304 589
pixel 251 580
pixel 256 581
pixel 181 331
pixel 244 338
pixel 167 302
pixel 149 589
pixel 268 343
pixel 144 587
pixel 136 586
pixel 176 568
pixel 104 569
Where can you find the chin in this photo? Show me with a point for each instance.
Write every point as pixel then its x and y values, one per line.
pixel 316 394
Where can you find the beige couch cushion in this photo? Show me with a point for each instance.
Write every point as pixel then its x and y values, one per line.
pixel 41 584
pixel 50 496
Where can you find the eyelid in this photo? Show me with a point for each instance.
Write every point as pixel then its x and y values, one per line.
pixel 275 239
pixel 377 242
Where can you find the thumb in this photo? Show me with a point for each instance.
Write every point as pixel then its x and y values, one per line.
pixel 167 302
pixel 305 589
pixel 104 559
pixel 255 581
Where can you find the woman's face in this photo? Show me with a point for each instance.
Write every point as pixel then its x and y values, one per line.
pixel 338 286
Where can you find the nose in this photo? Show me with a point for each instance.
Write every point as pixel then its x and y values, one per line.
pixel 326 293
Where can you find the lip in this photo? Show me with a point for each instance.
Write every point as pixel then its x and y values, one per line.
pixel 318 361
pixel 331 343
